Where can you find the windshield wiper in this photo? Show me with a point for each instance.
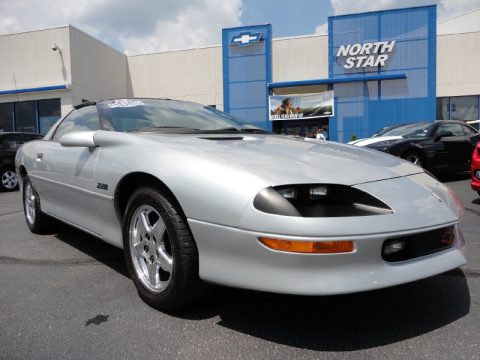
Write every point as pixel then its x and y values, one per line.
pixel 244 130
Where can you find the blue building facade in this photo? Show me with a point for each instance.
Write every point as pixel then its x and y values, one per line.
pixel 365 106
pixel 382 69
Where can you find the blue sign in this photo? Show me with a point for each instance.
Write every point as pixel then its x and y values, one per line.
pixel 246 38
pixel 247 69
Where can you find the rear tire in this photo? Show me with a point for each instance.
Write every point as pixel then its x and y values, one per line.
pixel 413 157
pixel 37 221
pixel 8 179
pixel 160 251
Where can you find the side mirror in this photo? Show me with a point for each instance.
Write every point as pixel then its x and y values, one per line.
pixel 443 134
pixel 78 139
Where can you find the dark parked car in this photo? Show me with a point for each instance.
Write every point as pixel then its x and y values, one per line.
pixel 9 144
pixel 441 146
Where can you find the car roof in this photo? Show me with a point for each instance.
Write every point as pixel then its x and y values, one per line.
pixel 452 122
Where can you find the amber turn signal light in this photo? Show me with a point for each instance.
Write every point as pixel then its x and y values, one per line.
pixel 308 247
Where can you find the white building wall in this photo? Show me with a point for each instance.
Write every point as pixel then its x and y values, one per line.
pixel 194 75
pixel 457 64
pixel 98 71
pixel 300 58
pixel 469 22
pixel 29 56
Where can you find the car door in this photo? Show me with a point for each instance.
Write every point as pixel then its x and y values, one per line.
pixel 454 146
pixel 67 174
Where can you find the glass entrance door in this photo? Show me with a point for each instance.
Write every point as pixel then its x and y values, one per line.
pixel 301 128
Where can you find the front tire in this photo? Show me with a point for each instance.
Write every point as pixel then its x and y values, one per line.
pixel 413 157
pixel 8 179
pixel 37 221
pixel 160 251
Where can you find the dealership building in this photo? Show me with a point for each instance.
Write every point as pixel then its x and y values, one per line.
pixel 380 68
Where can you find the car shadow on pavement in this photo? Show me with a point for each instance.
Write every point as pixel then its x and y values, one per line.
pixel 342 322
pixel 322 323
pixel 93 247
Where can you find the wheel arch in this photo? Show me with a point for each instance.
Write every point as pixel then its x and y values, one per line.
pixel 420 153
pixel 135 180
pixel 22 171
pixel 7 166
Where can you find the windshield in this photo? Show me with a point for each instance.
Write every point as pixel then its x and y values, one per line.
pixel 171 115
pixel 386 129
pixel 412 130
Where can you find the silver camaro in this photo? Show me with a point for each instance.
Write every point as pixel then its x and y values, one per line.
pixel 195 196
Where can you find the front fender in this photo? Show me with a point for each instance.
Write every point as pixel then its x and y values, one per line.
pixel 207 188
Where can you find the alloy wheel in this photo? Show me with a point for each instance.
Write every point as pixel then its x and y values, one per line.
pixel 30 203
pixel 150 248
pixel 9 180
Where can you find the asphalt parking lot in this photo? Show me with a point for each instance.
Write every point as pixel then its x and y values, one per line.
pixel 68 295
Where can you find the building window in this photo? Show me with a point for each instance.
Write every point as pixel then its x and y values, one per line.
pixel 36 116
pixel 26 116
pixel 48 114
pixel 6 117
pixel 464 108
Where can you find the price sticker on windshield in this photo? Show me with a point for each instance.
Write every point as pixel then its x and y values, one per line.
pixel 125 103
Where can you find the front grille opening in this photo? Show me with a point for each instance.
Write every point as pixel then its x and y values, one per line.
pixel 417 245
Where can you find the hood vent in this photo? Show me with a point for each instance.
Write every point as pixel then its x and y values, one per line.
pixel 223 138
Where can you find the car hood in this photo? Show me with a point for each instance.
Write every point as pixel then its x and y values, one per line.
pixel 281 160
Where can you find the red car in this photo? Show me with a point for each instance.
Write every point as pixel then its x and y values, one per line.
pixel 476 169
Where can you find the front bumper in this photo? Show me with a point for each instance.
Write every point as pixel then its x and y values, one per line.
pixel 234 257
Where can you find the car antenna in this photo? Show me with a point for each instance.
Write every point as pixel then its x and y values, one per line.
pixel 16 89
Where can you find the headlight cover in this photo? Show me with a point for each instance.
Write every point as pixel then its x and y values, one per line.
pixel 318 200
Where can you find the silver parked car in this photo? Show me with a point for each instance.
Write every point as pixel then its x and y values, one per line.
pixel 193 195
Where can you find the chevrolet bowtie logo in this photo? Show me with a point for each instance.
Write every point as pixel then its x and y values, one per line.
pixel 247 38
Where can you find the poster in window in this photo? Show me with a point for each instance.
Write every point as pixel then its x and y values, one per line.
pixel 296 107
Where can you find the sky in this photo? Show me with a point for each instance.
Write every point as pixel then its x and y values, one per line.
pixel 144 26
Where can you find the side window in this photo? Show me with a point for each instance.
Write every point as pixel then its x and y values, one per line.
pixel 83 119
pixel 455 129
pixel 28 138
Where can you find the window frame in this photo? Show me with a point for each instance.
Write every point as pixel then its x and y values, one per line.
pixel 57 126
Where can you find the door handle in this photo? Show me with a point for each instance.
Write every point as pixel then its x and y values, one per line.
pixel 39 156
